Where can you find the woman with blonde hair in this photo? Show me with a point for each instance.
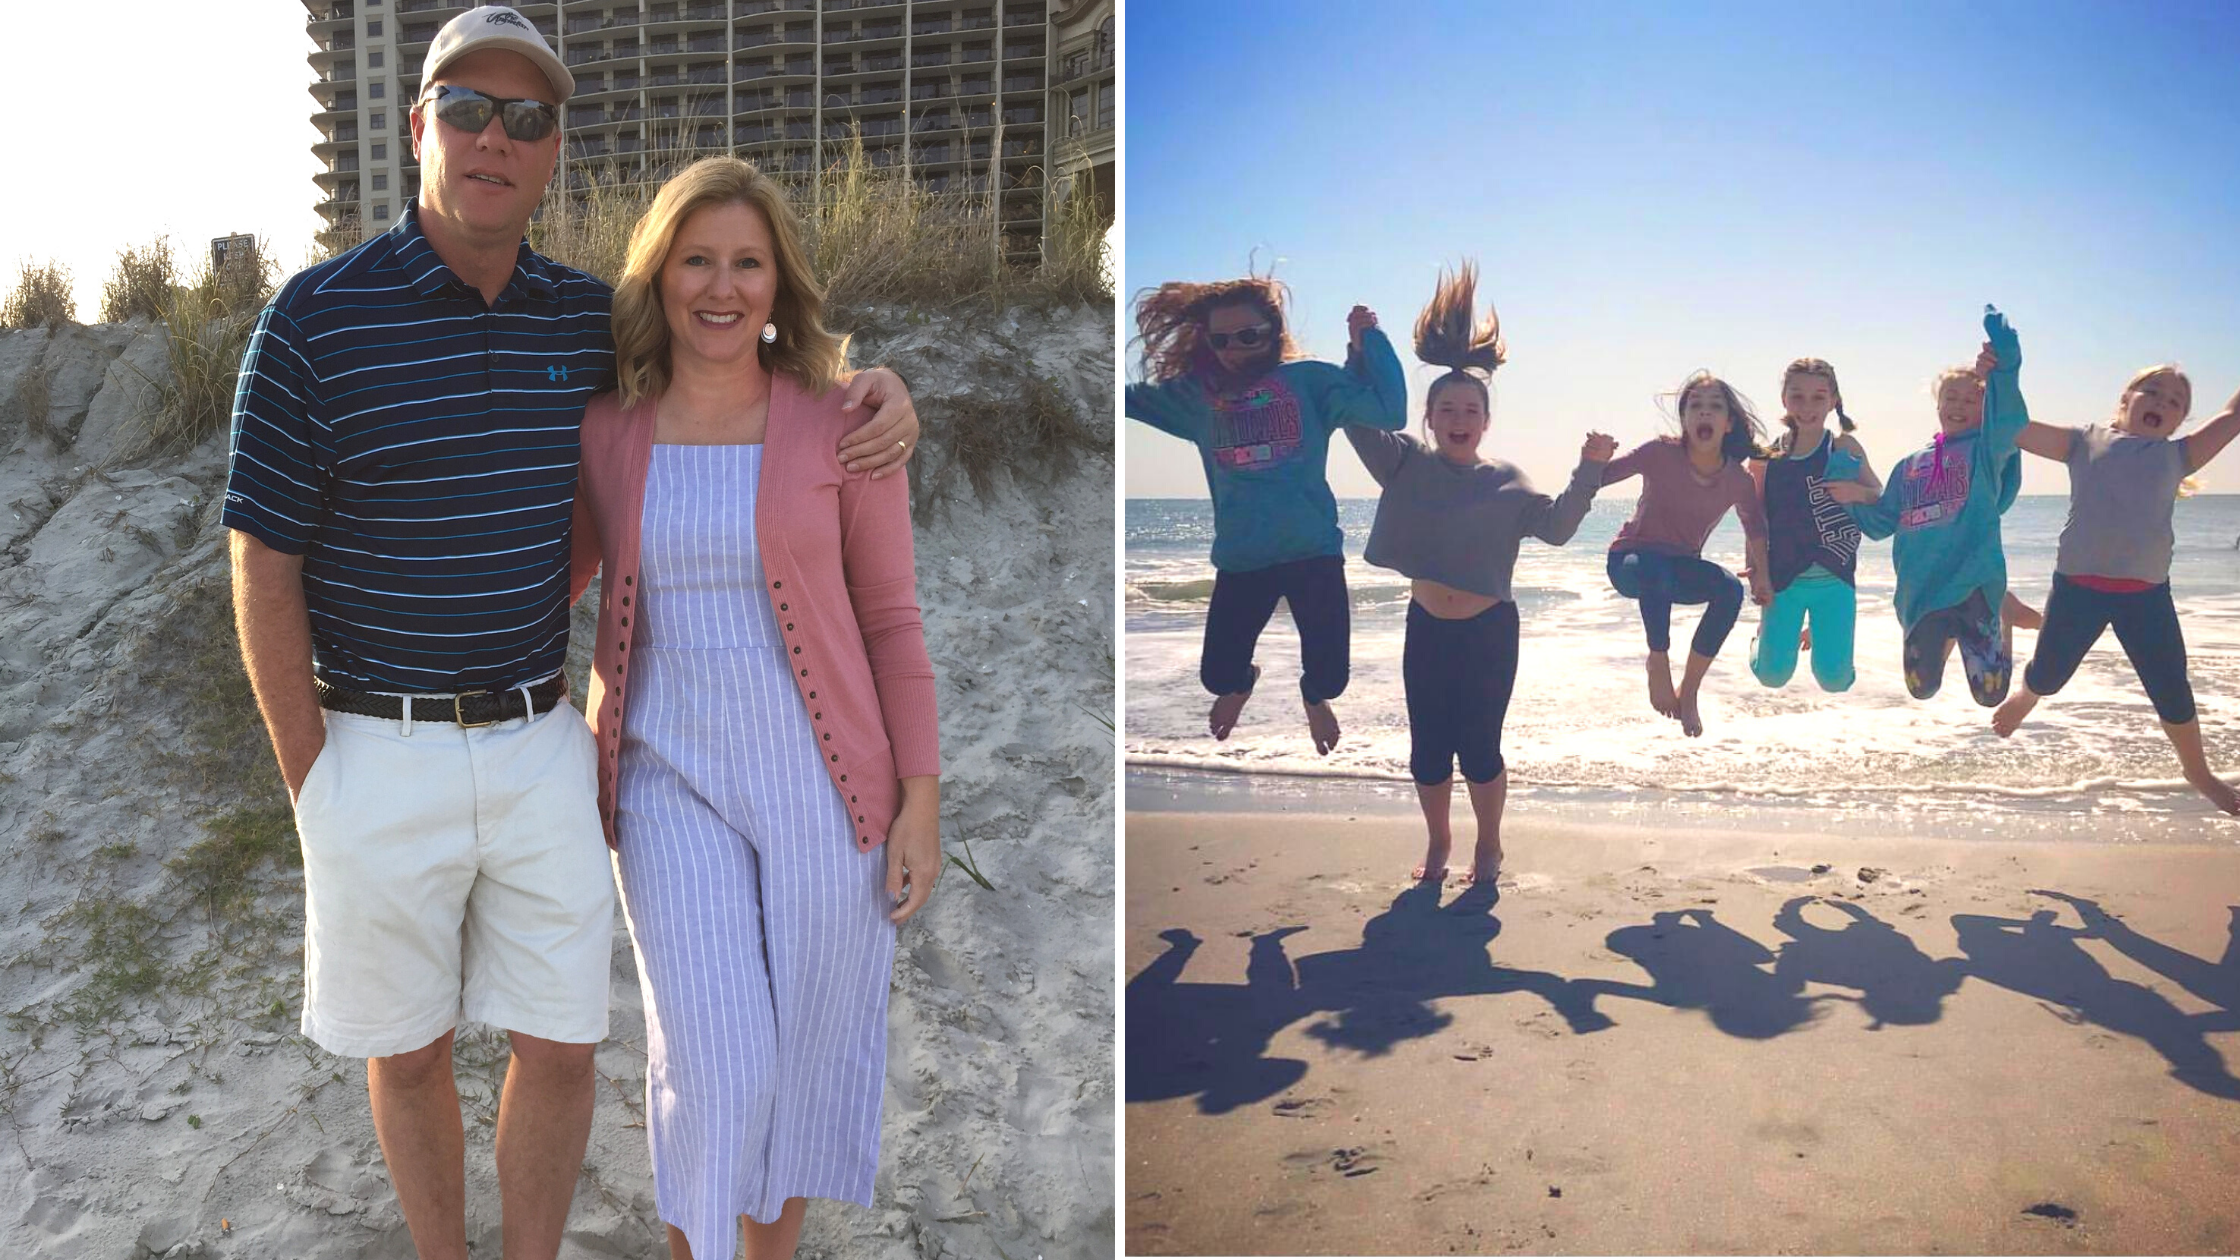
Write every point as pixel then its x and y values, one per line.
pixel 764 711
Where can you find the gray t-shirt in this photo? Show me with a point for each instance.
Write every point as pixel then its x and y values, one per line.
pixel 1460 526
pixel 2122 489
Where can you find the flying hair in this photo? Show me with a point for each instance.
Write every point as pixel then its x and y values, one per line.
pixel 1171 324
pixel 1745 437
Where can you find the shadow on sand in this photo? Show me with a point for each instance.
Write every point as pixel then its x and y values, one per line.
pixel 1211 1040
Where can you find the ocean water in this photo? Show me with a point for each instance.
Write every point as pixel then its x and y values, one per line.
pixel 1581 739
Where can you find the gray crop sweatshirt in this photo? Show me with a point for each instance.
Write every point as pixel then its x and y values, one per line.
pixel 1461 526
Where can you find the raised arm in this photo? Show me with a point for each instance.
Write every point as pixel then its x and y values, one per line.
pixel 2004 413
pixel 1371 391
pixel 1554 521
pixel 2209 441
pixel 2046 441
pixel 1177 407
pixel 1628 464
pixel 1381 450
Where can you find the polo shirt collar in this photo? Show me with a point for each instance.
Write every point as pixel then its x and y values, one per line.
pixel 431 277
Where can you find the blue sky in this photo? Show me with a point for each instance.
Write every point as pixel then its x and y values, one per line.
pixel 1650 189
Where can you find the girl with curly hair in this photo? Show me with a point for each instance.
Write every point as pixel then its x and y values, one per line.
pixel 1452 521
pixel 1221 371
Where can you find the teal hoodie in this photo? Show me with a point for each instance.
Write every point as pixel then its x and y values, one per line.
pixel 1944 501
pixel 1265 448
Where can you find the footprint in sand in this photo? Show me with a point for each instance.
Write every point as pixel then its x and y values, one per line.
pixel 1526 881
pixel 1353 1161
pixel 1302 1108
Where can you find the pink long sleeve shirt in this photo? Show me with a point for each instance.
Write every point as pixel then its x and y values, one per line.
pixel 837 561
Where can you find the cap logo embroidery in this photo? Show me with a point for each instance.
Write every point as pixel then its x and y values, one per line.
pixel 506 16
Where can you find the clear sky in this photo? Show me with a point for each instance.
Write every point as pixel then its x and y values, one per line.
pixel 1654 188
pixel 190 118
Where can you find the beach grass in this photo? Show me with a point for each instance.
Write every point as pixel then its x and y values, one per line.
pixel 140 284
pixel 41 298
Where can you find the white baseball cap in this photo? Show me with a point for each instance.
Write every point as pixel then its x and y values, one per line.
pixel 495 26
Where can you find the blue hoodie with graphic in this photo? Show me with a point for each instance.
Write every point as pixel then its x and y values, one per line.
pixel 1265 448
pixel 1944 501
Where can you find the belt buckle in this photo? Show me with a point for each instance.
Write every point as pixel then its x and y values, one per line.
pixel 459 712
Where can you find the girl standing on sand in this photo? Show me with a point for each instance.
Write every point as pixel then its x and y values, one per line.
pixel 1221 371
pixel 1687 485
pixel 1944 502
pixel 1451 522
pixel 1812 544
pixel 2113 566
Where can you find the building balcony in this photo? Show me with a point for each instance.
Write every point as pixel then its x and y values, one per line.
pixel 347 134
pixel 443 10
pixel 755 8
pixel 1081 65
pixel 327 17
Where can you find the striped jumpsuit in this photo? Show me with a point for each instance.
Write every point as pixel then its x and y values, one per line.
pixel 764 949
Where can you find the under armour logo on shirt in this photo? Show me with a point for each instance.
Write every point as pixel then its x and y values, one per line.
pixel 555 372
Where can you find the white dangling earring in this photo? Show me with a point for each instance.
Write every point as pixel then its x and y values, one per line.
pixel 769 333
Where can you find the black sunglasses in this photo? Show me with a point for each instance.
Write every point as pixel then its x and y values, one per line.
pixel 470 111
pixel 1249 337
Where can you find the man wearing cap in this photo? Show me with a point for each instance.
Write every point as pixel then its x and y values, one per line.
pixel 404 467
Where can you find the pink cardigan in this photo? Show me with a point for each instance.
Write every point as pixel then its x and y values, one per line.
pixel 837 557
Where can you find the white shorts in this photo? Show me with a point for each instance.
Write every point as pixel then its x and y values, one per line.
pixel 453 872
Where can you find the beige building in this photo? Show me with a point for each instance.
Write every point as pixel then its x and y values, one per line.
pixel 963 94
pixel 1084 101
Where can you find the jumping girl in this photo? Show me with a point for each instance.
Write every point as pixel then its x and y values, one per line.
pixel 1812 544
pixel 1687 484
pixel 1451 522
pixel 2113 566
pixel 1220 370
pixel 1944 502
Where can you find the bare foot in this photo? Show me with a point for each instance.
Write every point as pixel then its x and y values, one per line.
pixel 1485 868
pixel 1323 725
pixel 1434 863
pixel 2009 715
pixel 1691 721
pixel 1226 708
pixel 1660 685
pixel 2220 793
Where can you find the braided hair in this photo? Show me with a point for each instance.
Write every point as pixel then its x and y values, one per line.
pixel 1813 367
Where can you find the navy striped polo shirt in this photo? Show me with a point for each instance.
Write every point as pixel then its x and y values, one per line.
pixel 418 448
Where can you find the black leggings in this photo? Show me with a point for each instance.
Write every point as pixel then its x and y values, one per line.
pixel 1458 676
pixel 2146 624
pixel 1320 607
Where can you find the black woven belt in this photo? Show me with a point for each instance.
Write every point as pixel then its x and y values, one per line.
pixel 468 708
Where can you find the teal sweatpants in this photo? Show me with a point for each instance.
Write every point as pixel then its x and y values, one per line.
pixel 1833 606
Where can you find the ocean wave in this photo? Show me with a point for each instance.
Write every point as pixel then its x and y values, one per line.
pixel 1871 791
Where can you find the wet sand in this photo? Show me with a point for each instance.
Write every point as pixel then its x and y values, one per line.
pixel 1676 1042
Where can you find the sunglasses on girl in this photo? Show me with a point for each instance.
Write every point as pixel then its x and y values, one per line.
pixel 1251 337
pixel 470 111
